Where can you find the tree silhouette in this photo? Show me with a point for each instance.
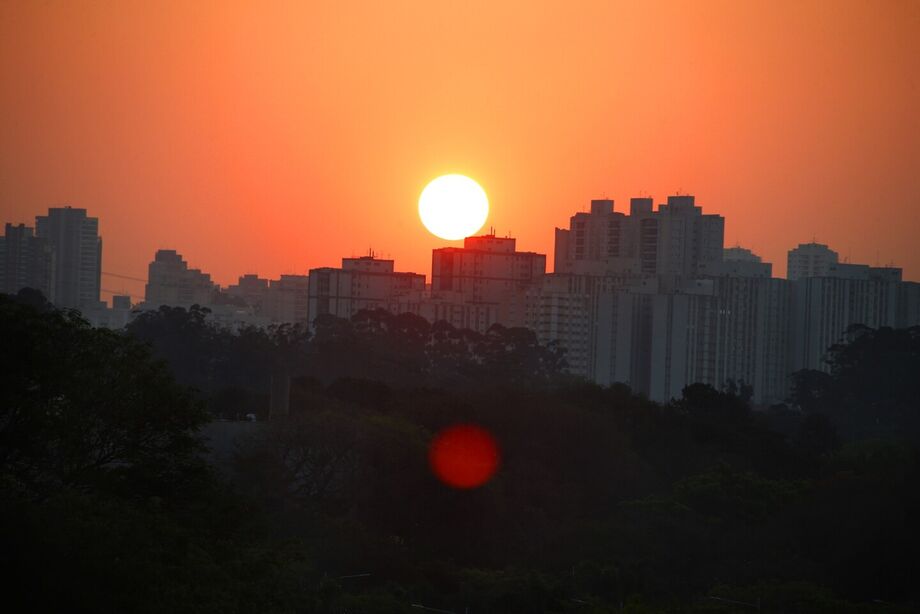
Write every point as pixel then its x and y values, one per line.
pixel 89 408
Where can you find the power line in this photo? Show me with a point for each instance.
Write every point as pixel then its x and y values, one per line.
pixel 119 276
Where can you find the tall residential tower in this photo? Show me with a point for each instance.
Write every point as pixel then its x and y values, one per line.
pixel 77 246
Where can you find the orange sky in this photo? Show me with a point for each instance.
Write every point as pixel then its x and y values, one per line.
pixel 274 140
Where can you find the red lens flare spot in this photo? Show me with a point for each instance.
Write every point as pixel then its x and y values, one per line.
pixel 464 456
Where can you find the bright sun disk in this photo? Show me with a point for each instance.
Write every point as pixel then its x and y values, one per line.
pixel 453 207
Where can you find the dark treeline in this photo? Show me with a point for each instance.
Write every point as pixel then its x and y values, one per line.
pixel 604 502
pixel 233 368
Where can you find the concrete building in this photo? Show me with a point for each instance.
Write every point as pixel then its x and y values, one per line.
pixel 677 240
pixel 474 316
pixel 599 242
pixel 287 299
pixel 560 310
pixel 77 246
pixel 652 299
pixel 752 336
pixel 809 260
pixel 823 307
pixel 283 300
pixel 171 282
pixel 26 261
pixel 659 338
pixel 688 240
pixel 484 282
pixel 363 283
pixel 684 330
pixel 738 262
pixel 908 304
pixel 115 317
pixel 621 330
pixel 249 289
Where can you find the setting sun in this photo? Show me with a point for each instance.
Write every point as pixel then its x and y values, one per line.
pixel 453 207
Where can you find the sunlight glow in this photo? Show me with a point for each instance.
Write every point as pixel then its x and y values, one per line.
pixel 453 207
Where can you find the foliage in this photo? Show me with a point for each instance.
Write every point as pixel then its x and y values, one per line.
pixel 87 408
pixel 604 501
pixel 873 388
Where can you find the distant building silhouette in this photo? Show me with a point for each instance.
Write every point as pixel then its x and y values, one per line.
pixel 363 283
pixel 287 299
pixel 117 316
pixel 740 262
pixel 277 300
pixel 482 283
pixel 77 246
pixel 561 308
pixel 171 282
pixel 652 299
pixel 26 261
pixel 809 260
pixel 834 296
pixel 121 302
pixel 675 240
pixel 251 290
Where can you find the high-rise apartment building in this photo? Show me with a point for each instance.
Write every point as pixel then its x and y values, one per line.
pixel 171 282
pixel 688 240
pixel 250 289
pixel 560 309
pixel 287 299
pixel 652 299
pixel 809 260
pixel 908 304
pixel 823 307
pixel 74 237
pixel 655 340
pixel 484 282
pixel 597 242
pixel 753 315
pixel 26 261
pixel 738 262
pixel 282 300
pixel 363 283
pixel 622 327
pixel 677 240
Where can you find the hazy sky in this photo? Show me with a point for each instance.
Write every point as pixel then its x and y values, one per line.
pixel 274 137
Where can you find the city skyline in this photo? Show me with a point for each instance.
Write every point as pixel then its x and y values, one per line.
pixel 133 284
pixel 278 152
pixel 207 262
pixel 649 296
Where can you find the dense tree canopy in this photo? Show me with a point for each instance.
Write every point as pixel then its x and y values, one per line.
pixel 603 502
pixel 88 408
pixel 873 388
